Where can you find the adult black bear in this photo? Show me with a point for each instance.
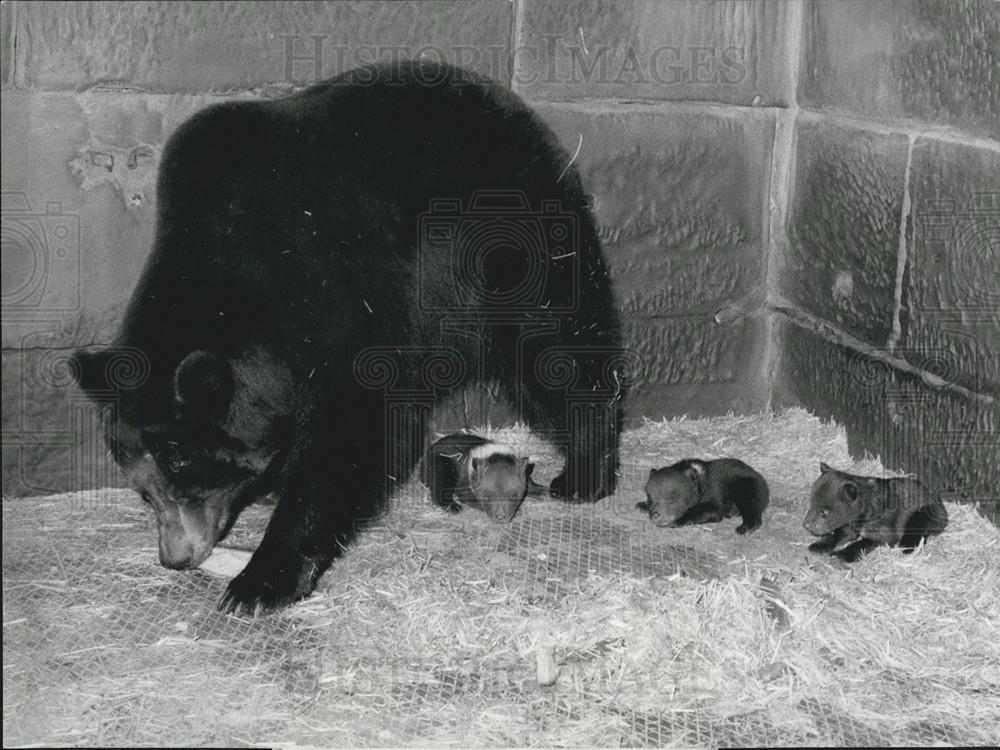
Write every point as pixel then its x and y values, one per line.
pixel 855 514
pixel 323 265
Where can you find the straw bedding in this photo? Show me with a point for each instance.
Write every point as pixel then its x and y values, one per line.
pixel 436 629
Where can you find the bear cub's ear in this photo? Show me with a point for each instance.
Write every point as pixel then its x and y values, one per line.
pixel 203 385
pixel 824 469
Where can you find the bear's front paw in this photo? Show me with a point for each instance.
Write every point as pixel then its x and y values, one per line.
pixel 268 583
pixel 819 548
pixel 825 545
pixel 853 552
pixel 748 527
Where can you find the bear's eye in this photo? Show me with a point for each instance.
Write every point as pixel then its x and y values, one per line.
pixel 176 464
pixel 825 512
pixel 176 460
pixel 145 497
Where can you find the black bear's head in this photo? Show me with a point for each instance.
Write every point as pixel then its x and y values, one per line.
pixel 199 444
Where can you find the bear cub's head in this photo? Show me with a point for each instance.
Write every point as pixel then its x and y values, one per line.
pixel 835 500
pixel 198 446
pixel 499 484
pixel 670 491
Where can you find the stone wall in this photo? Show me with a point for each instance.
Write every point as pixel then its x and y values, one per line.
pixel 886 278
pixel 797 200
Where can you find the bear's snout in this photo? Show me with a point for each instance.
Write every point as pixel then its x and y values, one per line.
pixel 503 511
pixel 182 554
pixel 659 517
pixel 812 525
pixel 188 534
pixel 174 559
pixel 176 556
pixel 180 551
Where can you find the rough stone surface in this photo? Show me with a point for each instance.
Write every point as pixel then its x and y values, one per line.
pixel 843 228
pixel 680 198
pixel 6 44
pixel 680 195
pixel 952 320
pixel 921 59
pixel 78 209
pixel 50 435
pixel 731 52
pixel 198 47
pixel 948 440
pixel 693 366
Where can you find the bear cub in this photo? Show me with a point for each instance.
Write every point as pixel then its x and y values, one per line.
pixel 855 514
pixel 694 491
pixel 466 469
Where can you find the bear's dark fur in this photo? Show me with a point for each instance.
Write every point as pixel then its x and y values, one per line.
pixel 466 469
pixel 855 514
pixel 692 491
pixel 323 264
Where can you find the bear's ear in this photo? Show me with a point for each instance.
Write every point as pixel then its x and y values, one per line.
pixel 823 468
pixel 90 370
pixel 477 467
pixel 528 468
pixel 203 385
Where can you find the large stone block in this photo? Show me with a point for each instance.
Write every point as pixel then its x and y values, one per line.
pixel 952 291
pixel 843 227
pixel 921 59
pixel 70 256
pixel 733 52
pixel 199 47
pixel 6 44
pixel 78 178
pixel 680 197
pixel 950 440
pixel 693 366
pixel 51 437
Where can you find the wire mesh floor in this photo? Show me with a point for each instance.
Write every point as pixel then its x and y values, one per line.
pixel 425 632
